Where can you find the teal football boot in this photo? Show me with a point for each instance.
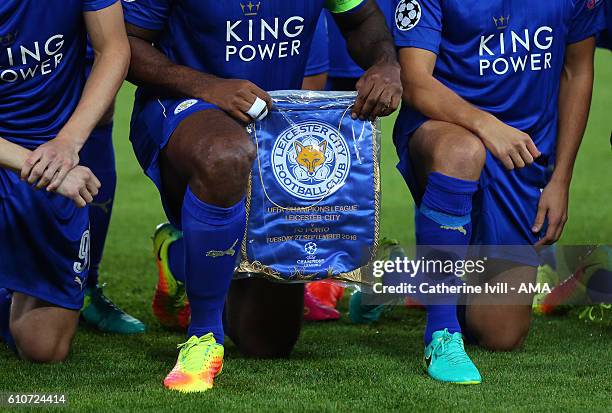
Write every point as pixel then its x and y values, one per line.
pixel 447 361
pixel 102 314
pixel 367 314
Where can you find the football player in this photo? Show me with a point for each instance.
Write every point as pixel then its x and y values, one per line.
pixel 203 69
pixel 48 113
pixel 99 156
pixel 496 99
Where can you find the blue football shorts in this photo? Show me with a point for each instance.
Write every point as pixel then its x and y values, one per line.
pixel 44 243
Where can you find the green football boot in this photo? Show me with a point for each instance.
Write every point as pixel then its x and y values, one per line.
pixel 446 360
pixel 102 314
pixel 367 314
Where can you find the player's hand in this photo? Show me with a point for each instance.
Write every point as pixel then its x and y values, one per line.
pixel 512 147
pixel 553 208
pixel 379 92
pixel 236 97
pixel 80 185
pixel 48 165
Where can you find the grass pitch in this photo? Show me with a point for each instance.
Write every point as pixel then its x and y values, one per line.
pixel 565 366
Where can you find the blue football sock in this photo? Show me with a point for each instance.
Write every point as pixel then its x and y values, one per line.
pixel 176 259
pixel 443 219
pixel 212 243
pixel 99 156
pixel 5 314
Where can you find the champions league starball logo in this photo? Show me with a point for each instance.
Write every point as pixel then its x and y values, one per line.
pixel 311 160
pixel 310 248
pixel 407 14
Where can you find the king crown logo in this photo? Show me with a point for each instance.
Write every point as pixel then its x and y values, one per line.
pixel 501 22
pixel 250 8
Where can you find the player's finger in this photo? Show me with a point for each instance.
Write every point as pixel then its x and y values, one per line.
pixel 92 187
pixel 96 181
pixel 549 237
pixel 86 195
pixel 48 175
pixel 371 102
pixel 363 93
pixel 240 116
pixel 59 177
pixel 383 107
pixel 554 219
pixel 245 103
pixel 525 155
pixel 262 94
pixel 396 100
pixel 38 170
pixel 258 108
pixel 516 159
pixel 533 149
pixel 29 163
pixel 79 201
pixel 538 223
pixel 507 162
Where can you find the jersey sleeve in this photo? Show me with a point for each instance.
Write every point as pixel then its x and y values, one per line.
pixel 95 5
pixel 588 20
pixel 418 23
pixel 343 6
pixel 318 59
pixel 147 14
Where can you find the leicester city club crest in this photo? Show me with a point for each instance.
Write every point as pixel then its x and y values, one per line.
pixel 311 160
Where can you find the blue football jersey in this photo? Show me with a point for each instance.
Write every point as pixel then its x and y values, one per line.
pixel 318 59
pixel 340 62
pixel 264 41
pixel 504 56
pixel 42 57
pixel 605 38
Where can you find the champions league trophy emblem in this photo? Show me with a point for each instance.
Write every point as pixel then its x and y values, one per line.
pixel 314 196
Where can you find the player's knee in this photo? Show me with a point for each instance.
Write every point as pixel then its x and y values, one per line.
pixel 458 152
pixel 226 165
pixel 42 349
pixel 467 153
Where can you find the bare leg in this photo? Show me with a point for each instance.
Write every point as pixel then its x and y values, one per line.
pixel 43 332
pixel 264 318
pixel 497 322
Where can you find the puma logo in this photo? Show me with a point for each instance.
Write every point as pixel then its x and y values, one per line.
pixel 311 157
pixel 230 251
pixel 460 229
pixel 79 282
pixel 104 206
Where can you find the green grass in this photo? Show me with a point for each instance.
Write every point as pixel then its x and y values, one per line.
pixel 565 365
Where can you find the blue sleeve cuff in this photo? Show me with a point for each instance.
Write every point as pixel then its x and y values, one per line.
pixel 95 5
pixel 578 37
pixel 322 67
pixel 418 44
pixel 142 23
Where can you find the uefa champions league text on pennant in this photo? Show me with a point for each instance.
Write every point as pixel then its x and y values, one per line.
pixel 314 196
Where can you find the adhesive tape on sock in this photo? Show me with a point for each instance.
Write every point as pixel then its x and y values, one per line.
pixel 259 110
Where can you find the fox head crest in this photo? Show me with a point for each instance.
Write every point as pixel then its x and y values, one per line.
pixel 311 157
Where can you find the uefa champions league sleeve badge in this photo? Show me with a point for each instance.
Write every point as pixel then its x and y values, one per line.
pixel 313 202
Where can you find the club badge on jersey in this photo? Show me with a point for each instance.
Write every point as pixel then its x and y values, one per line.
pixel 313 203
